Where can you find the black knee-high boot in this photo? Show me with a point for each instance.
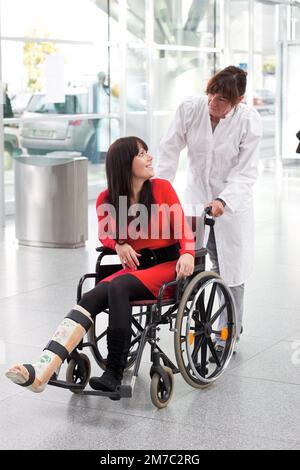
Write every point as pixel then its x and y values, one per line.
pixel 118 344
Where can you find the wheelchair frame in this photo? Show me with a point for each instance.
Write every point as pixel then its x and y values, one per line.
pixel 189 330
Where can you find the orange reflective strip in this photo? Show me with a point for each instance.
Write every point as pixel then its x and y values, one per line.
pixel 191 338
pixel 224 334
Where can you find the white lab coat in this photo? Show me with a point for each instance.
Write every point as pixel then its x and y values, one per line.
pixel 221 164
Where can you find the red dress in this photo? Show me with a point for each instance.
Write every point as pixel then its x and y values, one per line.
pixel 162 231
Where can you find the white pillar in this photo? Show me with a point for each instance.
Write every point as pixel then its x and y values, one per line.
pixel 2 201
pixel 123 68
pixel 250 52
pixel 149 72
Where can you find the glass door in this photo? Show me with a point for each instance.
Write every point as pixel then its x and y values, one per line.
pixel 291 100
pixel 290 87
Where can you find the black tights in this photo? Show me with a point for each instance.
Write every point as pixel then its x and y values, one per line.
pixel 116 295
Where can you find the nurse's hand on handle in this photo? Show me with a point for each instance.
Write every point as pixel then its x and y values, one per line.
pixel 217 208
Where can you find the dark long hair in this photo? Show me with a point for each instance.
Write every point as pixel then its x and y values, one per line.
pixel 230 82
pixel 119 160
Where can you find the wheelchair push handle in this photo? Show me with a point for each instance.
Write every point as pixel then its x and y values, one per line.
pixel 208 220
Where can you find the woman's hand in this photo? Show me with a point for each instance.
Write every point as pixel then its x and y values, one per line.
pixel 127 255
pixel 185 266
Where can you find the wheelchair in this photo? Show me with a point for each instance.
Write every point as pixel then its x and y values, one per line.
pixel 192 314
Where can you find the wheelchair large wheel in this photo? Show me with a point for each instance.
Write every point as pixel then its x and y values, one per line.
pixel 97 337
pixel 205 299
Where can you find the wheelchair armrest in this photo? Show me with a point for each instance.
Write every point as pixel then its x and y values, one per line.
pixel 200 260
pixel 80 284
pixel 105 250
pixel 178 290
pixel 200 253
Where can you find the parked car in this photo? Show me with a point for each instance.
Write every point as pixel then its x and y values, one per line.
pixel 19 102
pixel 44 136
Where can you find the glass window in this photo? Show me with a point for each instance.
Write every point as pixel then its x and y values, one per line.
pixel 136 24
pixel 73 104
pixel 238 31
pixel 187 22
pixel 80 20
pixel 24 69
pixel 136 91
pixel 295 23
pixel 264 78
pixel 87 85
pixel 291 124
pixel 79 32
pixel 136 94
pixel 178 74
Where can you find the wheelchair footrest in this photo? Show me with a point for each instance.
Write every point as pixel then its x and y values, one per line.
pixel 124 391
pixel 64 384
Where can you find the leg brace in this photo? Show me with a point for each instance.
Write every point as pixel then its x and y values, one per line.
pixel 67 336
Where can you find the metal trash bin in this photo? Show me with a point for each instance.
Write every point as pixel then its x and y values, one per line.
pixel 51 200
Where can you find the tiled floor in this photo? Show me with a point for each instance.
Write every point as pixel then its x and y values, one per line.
pixel 256 403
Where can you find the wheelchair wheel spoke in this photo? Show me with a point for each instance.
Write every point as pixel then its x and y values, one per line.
pixel 198 342
pixel 211 301
pixel 218 313
pixel 198 332
pixel 134 333
pixel 198 323
pixel 201 307
pixel 101 336
pixel 196 316
pixel 213 352
pixel 203 357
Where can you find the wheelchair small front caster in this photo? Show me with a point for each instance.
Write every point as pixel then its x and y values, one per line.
pixel 161 390
pixel 78 374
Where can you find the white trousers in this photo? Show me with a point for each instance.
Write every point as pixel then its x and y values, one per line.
pixel 237 291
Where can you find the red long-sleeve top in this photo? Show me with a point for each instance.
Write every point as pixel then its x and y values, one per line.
pixel 164 230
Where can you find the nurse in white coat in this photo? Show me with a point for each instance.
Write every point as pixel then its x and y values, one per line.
pixel 222 137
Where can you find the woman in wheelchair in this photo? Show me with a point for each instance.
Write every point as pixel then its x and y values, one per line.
pixel 140 218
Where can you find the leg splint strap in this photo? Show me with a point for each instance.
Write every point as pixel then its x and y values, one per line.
pixel 80 318
pixel 31 372
pixel 57 349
